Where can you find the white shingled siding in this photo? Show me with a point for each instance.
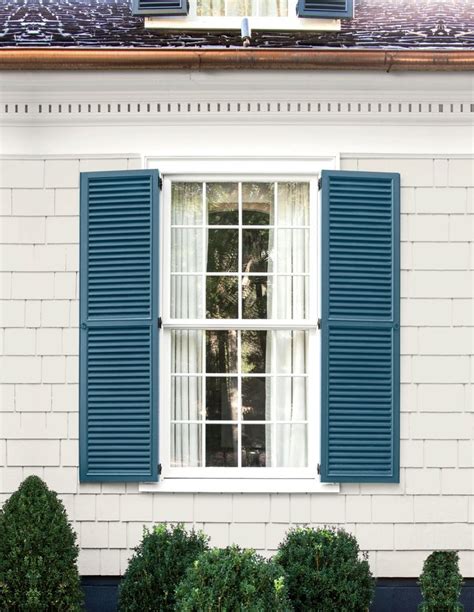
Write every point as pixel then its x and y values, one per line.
pixel 432 507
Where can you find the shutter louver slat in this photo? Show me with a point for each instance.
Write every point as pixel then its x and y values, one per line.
pixel 160 7
pixel 360 327
pixel 331 9
pixel 119 340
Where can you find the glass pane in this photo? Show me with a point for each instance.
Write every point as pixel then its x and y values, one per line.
pixel 222 399
pixel 186 300
pixel 221 445
pixel 223 250
pixel 186 250
pixel 254 351
pixel 210 8
pixel 292 446
pixel 239 8
pixel 290 398
pixel 221 351
pixel 186 204
pixel 292 253
pixel 222 203
pixel 292 297
pixel 256 250
pixel 186 398
pixel 257 203
pixel 254 398
pixel 186 351
pixel 255 297
pixel 273 8
pixel 254 445
pixel 222 297
pixel 289 351
pixel 293 204
pixel 186 445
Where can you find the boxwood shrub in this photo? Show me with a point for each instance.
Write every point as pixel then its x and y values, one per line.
pixel 38 552
pixel 326 570
pixel 233 580
pixel 441 582
pixel 157 567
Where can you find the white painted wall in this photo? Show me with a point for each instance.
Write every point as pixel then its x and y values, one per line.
pixel 43 153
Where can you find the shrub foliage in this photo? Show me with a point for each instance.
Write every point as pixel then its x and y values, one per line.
pixel 326 571
pixel 157 567
pixel 441 582
pixel 38 552
pixel 233 580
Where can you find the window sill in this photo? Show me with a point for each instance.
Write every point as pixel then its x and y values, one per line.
pixel 235 23
pixel 238 485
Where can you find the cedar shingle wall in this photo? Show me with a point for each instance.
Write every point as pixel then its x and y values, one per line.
pixel 432 507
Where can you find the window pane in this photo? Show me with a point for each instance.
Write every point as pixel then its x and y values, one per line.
pixel 186 250
pixel 222 203
pixel 288 352
pixel 290 398
pixel 292 297
pixel 254 445
pixel 293 204
pixel 292 255
pixel 292 446
pixel 221 351
pixel 254 398
pixel 257 203
pixel 186 445
pixel 254 351
pixel 255 297
pixel 223 250
pixel 210 8
pixel 186 398
pixel 221 445
pixel 222 297
pixel 186 351
pixel 256 250
pixel 186 301
pixel 273 8
pixel 222 399
pixel 186 204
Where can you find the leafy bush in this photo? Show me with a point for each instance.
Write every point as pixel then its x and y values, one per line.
pixel 157 566
pixel 38 552
pixel 441 582
pixel 325 570
pixel 232 580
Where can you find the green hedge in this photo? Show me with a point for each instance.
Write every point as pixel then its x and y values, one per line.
pixel 233 580
pixel 38 552
pixel 441 582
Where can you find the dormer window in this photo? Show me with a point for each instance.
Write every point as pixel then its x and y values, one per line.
pixel 228 14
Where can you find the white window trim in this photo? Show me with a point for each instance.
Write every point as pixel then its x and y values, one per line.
pixel 292 24
pixel 236 480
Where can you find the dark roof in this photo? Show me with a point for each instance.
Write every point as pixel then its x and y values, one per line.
pixel 378 24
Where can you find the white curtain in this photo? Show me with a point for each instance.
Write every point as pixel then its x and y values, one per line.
pixel 187 353
pixel 286 350
pixel 242 8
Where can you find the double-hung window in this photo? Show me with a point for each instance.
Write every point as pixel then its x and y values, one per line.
pixel 240 320
pixel 239 325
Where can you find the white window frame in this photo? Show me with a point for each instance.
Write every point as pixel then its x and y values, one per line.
pixel 208 479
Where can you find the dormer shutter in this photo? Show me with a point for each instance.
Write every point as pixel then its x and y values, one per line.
pixel 333 9
pixel 160 7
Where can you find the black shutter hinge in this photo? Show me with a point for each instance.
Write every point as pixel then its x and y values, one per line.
pixel 320 323
pixel 160 468
pixel 160 183
pixel 320 183
pixel 160 323
pixel 319 468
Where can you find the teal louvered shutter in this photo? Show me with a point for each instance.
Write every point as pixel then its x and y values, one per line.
pixel 160 7
pixel 119 326
pixel 360 350
pixel 331 9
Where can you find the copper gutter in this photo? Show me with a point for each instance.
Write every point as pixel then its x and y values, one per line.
pixel 233 59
